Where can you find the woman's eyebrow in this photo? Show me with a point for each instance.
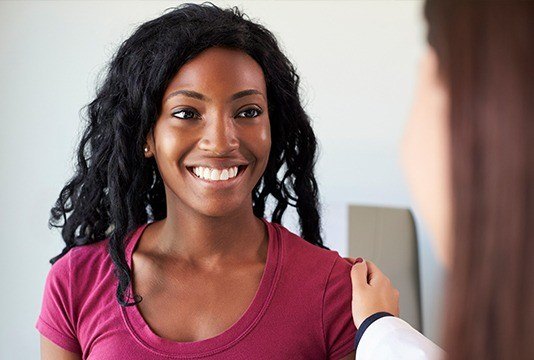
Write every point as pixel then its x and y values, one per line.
pixel 199 96
pixel 244 93
pixel 188 93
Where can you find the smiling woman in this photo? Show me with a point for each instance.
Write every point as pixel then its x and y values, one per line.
pixel 168 252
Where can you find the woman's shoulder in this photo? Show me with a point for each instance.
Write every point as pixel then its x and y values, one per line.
pixel 96 254
pixel 299 251
pixel 69 285
pixel 90 261
pixel 296 243
pixel 324 276
pixel 91 254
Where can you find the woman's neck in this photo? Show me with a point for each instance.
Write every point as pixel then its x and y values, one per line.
pixel 200 239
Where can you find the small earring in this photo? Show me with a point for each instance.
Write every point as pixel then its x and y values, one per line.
pixel 146 149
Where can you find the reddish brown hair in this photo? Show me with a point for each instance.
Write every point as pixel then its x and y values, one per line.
pixel 485 51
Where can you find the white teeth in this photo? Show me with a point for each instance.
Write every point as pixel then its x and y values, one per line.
pixel 215 174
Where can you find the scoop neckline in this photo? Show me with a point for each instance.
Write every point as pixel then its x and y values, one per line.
pixel 142 332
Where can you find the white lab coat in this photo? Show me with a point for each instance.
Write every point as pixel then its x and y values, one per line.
pixel 392 338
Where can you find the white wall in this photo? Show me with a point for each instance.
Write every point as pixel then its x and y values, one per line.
pixel 357 61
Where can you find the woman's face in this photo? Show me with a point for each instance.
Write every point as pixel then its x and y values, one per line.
pixel 212 139
pixel 425 154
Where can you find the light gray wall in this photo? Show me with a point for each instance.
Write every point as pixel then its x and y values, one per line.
pixel 357 61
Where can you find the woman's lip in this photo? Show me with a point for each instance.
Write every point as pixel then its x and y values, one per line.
pixel 215 164
pixel 220 183
pixel 240 168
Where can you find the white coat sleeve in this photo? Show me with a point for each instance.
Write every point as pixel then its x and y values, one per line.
pixel 393 338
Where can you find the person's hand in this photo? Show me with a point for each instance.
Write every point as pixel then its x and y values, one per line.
pixel 372 291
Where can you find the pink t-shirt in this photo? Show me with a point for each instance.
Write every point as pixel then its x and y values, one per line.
pixel 301 310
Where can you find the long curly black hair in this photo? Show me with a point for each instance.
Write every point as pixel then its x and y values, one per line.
pixel 115 189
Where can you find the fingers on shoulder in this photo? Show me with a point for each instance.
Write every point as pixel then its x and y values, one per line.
pixel 358 274
pixel 373 269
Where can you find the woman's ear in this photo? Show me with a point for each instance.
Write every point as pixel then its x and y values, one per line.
pixel 148 148
pixel 146 151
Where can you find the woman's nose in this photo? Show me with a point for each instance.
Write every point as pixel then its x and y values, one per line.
pixel 219 136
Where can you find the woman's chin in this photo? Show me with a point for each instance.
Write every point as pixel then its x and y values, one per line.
pixel 219 209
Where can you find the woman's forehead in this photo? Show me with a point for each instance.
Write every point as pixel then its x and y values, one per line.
pixel 219 70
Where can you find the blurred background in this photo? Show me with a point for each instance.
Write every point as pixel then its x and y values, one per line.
pixel 357 61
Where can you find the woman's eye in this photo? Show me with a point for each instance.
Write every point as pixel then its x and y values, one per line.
pixel 249 113
pixel 185 114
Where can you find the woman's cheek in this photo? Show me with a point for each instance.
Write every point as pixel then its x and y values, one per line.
pixel 259 140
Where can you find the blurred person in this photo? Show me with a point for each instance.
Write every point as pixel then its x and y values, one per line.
pixel 468 156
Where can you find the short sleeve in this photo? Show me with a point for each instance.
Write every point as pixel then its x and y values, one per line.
pixel 55 321
pixel 339 328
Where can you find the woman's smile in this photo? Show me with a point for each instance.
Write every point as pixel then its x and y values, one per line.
pixel 209 173
pixel 217 176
